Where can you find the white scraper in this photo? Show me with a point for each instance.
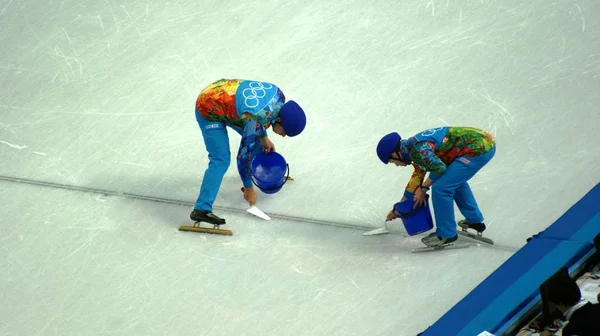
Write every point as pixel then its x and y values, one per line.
pixel 258 213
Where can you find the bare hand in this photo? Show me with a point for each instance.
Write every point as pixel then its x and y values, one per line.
pixel 267 144
pixel 249 195
pixel 420 198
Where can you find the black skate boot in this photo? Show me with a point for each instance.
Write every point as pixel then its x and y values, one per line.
pixel 433 240
pixel 206 216
pixel 478 227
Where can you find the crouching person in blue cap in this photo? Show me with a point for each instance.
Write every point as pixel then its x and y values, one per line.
pixel 249 108
pixel 452 156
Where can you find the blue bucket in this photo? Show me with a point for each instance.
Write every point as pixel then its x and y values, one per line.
pixel 269 172
pixel 416 220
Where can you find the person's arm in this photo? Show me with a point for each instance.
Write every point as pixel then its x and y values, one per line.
pixel 427 183
pixel 268 113
pixel 415 181
pixel 423 155
pixel 249 147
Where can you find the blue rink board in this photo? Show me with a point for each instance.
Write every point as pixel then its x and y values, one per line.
pixel 515 284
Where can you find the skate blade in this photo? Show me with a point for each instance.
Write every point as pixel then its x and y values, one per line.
pixel 376 232
pixel 451 246
pixel 205 230
pixel 469 235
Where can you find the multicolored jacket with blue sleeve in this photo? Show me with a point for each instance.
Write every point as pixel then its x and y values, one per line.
pixel 249 107
pixel 433 150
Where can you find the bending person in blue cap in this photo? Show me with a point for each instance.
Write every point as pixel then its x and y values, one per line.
pixel 249 108
pixel 452 156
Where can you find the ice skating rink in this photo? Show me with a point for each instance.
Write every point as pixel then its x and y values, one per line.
pixel 97 104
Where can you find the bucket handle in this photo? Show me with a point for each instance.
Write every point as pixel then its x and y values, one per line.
pixel 413 211
pixel 284 180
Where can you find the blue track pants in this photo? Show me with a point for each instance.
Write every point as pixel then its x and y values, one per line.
pixel 216 142
pixel 452 187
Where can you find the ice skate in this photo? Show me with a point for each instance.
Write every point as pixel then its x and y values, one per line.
pixel 478 227
pixel 199 216
pixel 206 216
pixel 435 243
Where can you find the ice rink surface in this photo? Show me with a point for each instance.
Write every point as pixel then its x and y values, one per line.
pixel 99 95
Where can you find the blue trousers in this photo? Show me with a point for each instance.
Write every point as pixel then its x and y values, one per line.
pixel 452 187
pixel 216 141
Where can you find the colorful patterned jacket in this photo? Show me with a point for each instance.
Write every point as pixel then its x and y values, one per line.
pixel 435 149
pixel 247 106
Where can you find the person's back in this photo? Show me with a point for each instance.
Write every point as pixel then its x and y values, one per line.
pixel 472 141
pixel 582 316
pixel 584 321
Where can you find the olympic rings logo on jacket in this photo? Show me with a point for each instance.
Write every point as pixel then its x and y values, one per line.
pixel 254 93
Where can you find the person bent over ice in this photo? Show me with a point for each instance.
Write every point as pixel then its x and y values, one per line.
pixel 452 156
pixel 249 108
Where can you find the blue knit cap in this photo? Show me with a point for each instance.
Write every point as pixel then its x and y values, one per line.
pixel 386 146
pixel 293 119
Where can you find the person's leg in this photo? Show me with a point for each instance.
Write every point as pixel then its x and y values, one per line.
pixel 464 196
pixel 219 157
pixel 444 192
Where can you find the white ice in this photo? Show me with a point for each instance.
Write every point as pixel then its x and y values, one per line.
pixel 100 94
